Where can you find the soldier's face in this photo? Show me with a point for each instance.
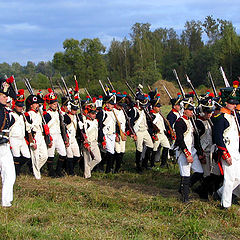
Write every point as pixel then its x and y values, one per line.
pixel 188 113
pixel 156 109
pixel 177 107
pixel 92 115
pixel 53 106
pixel 207 115
pixel 110 106
pixel 74 112
pixel 231 106
pixel 35 106
pixel 18 109
pixel 3 99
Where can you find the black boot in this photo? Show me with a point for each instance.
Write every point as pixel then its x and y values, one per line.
pixel 164 157
pixel 70 166
pixel 119 158
pixel 100 166
pixel 51 172
pixel 81 163
pixel 17 163
pixel 185 189
pixel 195 178
pixel 138 159
pixel 152 161
pixel 59 168
pixel 147 158
pixel 109 160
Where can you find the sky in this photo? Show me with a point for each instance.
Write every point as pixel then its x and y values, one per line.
pixel 35 30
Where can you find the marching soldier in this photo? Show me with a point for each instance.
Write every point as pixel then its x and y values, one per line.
pixel 7 168
pixel 34 124
pixel 210 168
pixel 73 150
pixel 93 136
pixel 109 130
pixel 57 140
pixel 19 147
pixel 140 125
pixel 174 114
pixel 160 138
pixel 121 127
pixel 186 152
pixel 226 137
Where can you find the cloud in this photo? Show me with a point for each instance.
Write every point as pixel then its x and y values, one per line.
pixel 19 27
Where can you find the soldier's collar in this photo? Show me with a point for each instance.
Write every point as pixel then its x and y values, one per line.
pixel 185 117
pixel 174 110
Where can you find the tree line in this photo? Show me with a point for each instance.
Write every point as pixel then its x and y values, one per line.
pixel 147 56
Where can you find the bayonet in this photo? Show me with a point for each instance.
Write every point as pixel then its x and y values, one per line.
pixel 212 84
pixel 224 77
pixel 168 93
pixel 179 84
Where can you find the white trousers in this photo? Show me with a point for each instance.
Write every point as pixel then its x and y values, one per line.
pixel 120 146
pixel 57 145
pixel 231 181
pixel 143 138
pixel 162 140
pixel 110 142
pixel 18 147
pixel 73 149
pixel 39 156
pixel 90 163
pixel 7 173
pixel 185 167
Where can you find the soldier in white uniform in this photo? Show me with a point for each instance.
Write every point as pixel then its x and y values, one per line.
pixel 38 150
pixel 7 168
pixel 19 147
pixel 73 150
pixel 140 125
pixel 92 132
pixel 55 129
pixel 160 139
pixel 226 137
pixel 186 151
pixel 109 130
pixel 121 128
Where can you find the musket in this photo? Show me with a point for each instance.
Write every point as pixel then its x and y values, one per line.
pixel 45 126
pixel 59 85
pixel 85 89
pixel 108 89
pixel 100 82
pixel 212 84
pixel 190 83
pixel 168 93
pixel 15 85
pixel 155 127
pixel 61 119
pixel 178 82
pixel 110 83
pixel 224 77
pixel 83 131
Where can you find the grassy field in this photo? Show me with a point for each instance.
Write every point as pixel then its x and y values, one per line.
pixel 113 206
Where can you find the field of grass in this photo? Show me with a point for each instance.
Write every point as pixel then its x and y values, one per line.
pixel 126 205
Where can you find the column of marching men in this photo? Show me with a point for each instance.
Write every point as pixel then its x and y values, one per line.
pixel 205 138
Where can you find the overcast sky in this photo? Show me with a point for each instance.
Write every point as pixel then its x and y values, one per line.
pixel 34 30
